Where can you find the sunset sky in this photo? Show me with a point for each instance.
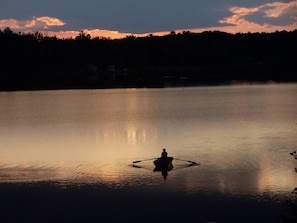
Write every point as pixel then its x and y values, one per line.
pixel 119 18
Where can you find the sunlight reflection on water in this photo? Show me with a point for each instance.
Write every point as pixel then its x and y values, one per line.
pixel 242 136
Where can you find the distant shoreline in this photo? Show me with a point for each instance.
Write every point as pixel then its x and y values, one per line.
pixel 152 85
pixel 36 62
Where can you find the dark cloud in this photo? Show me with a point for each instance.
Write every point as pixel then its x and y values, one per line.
pixel 144 16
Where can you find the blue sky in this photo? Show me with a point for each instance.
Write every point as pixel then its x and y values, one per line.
pixel 118 18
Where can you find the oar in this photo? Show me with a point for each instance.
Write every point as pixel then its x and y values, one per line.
pixel 138 161
pixel 142 167
pixel 186 161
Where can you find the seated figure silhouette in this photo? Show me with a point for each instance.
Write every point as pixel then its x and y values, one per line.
pixel 164 154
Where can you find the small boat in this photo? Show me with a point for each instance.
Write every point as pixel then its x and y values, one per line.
pixel 162 164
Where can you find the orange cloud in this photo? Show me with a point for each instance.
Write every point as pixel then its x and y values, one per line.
pixel 11 23
pixel 36 23
pixel 279 8
pixel 243 11
pixel 272 10
pixel 107 33
pixel 49 21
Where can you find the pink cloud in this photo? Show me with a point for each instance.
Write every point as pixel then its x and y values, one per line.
pixel 49 21
pixel 11 23
pixel 273 10
pixel 278 9
pixel 35 23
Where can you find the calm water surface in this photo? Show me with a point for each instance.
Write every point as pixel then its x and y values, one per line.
pixel 241 135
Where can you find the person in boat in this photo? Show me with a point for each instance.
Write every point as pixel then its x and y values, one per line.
pixel 164 154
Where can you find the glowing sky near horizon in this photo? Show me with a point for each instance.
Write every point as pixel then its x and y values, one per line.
pixel 119 18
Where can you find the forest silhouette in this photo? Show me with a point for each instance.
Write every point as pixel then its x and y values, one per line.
pixel 35 61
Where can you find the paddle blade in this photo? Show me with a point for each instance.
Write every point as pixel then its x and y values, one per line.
pixel 137 161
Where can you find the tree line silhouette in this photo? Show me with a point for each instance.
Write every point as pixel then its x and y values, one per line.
pixel 36 61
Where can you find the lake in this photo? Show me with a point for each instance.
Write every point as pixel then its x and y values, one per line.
pixel 79 146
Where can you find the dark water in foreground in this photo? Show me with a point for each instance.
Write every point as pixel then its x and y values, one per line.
pixel 67 155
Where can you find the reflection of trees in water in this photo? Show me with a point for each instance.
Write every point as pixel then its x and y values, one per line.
pixel 292 203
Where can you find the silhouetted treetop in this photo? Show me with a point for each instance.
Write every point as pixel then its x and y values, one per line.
pixel 40 61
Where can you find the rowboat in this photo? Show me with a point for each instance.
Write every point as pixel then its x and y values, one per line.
pixel 162 164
